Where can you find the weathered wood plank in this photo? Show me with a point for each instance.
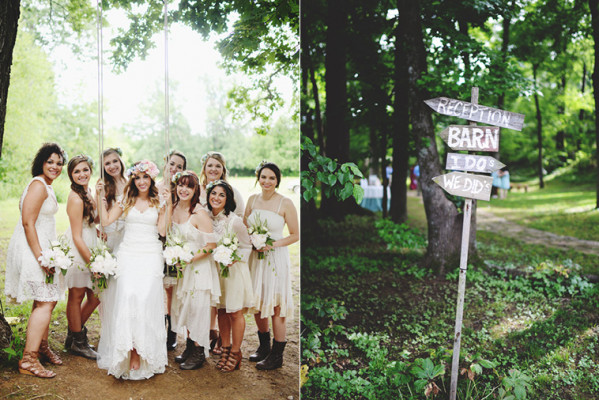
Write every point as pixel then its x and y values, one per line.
pixel 477 112
pixel 466 185
pixel 472 163
pixel 472 138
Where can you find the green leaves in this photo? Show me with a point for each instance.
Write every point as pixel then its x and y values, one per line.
pixel 334 179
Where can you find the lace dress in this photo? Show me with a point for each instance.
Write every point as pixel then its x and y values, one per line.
pixel 114 231
pixel 197 291
pixel 132 306
pixel 239 203
pixel 79 275
pixel 25 279
pixel 271 276
pixel 236 289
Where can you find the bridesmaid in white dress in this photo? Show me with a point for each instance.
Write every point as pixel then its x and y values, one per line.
pixel 199 289
pixel 214 168
pixel 272 275
pixel 82 234
pixel 114 183
pixel 132 336
pixel 175 162
pixel 25 277
pixel 236 289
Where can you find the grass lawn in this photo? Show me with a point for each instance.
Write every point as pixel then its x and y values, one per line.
pixel 377 324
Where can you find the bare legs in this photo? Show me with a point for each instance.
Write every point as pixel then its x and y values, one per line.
pixel 37 326
pixel 231 323
pixel 169 299
pixel 78 313
pixel 278 324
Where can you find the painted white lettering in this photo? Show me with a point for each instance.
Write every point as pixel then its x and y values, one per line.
pixel 449 181
pixel 465 139
pixel 481 164
pixel 453 138
pixel 477 135
pixel 442 103
pixel 470 162
pixel 493 139
pixel 496 116
pixel 453 160
pixel 467 184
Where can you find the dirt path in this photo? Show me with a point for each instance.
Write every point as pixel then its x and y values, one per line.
pixel 486 220
pixel 79 378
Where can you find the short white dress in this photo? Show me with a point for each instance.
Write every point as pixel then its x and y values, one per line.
pixel 25 279
pixel 132 306
pixel 236 289
pixel 271 276
pixel 197 291
pixel 78 275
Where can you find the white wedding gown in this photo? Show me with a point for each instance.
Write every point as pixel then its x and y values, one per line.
pixel 132 306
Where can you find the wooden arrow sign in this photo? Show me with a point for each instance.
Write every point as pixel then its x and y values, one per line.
pixel 468 162
pixel 471 138
pixel 466 185
pixel 476 112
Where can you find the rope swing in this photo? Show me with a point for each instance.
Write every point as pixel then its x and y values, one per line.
pixel 99 21
pixel 166 101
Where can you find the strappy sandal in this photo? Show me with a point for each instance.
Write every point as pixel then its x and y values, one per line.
pixel 233 362
pixel 46 354
pixel 30 365
pixel 223 357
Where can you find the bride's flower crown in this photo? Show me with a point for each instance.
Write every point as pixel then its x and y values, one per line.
pixel 143 167
pixel 208 155
pixel 87 159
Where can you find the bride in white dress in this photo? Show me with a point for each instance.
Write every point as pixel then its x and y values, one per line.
pixel 133 336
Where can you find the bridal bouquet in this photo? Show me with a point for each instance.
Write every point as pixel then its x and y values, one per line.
pixel 58 256
pixel 225 252
pixel 102 265
pixel 177 253
pixel 259 235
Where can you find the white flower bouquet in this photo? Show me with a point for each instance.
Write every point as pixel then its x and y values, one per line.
pixel 225 252
pixel 102 265
pixel 260 235
pixel 58 256
pixel 177 253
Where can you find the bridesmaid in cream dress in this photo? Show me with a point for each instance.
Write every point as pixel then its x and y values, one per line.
pixel 272 275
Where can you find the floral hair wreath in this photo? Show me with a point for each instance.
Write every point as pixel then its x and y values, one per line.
pixel 87 158
pixel 260 166
pixel 118 151
pixel 180 175
pixel 144 166
pixel 213 184
pixel 208 155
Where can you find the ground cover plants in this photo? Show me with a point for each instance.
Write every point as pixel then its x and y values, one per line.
pixel 376 324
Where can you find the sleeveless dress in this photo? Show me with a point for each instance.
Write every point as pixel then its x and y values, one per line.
pixel 236 289
pixel 78 275
pixel 25 279
pixel 197 291
pixel 271 276
pixel 132 306
pixel 114 231
pixel 239 203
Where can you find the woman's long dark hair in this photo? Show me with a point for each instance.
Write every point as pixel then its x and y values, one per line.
pixel 230 202
pixel 109 182
pixel 88 207
pixel 192 181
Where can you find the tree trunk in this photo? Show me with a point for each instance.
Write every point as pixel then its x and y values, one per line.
pixel 443 220
pixel 505 35
pixel 401 131
pixel 539 130
pixel 9 22
pixel 336 128
pixel 594 6
pixel 560 136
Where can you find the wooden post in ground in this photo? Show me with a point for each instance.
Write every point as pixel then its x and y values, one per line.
pixel 455 362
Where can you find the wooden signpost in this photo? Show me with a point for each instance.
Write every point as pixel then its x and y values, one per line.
pixel 476 112
pixel 471 138
pixel 466 185
pixel 467 162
